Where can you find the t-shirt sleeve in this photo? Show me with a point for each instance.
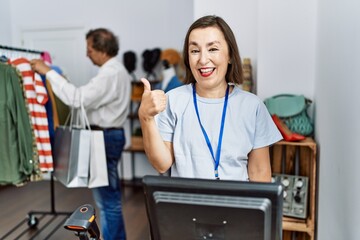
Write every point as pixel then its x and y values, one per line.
pixel 266 132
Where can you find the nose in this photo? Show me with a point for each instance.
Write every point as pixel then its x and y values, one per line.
pixel 204 57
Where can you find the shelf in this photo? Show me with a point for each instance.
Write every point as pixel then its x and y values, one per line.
pixel 298 158
pixel 134 149
pixel 307 142
pixel 137 89
pixel 297 227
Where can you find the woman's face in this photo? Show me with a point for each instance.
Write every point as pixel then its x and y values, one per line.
pixel 208 57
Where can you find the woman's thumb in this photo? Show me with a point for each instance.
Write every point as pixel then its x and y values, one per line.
pixel 147 86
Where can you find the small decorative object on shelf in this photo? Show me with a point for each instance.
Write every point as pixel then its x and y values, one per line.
pixel 285 131
pixel 248 82
pixel 295 194
pixel 136 139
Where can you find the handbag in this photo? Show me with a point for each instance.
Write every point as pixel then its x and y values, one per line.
pixel 292 109
pixel 72 156
pixel 98 163
pixel 72 151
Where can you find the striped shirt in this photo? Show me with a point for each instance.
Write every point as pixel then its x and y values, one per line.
pixel 36 95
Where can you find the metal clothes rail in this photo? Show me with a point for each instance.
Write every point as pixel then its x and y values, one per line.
pixel 20 49
pixel 32 219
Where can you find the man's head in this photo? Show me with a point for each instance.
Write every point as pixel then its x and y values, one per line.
pixel 102 45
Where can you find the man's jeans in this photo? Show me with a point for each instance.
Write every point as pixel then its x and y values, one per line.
pixel 108 199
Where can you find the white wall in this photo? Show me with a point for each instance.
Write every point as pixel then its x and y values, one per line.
pixel 337 114
pixel 286 48
pixel 5 20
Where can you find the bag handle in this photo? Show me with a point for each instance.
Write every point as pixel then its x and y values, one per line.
pixel 81 120
pixel 71 114
pixel 85 118
pixel 307 100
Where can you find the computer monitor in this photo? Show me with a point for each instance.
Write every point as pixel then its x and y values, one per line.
pixel 184 208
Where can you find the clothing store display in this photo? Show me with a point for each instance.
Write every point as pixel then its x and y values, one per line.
pixel 37 97
pixel 23 96
pixel 150 59
pixel 50 105
pixel 55 115
pixel 129 59
pixel 170 79
pixel 241 133
pixel 172 56
pixel 18 157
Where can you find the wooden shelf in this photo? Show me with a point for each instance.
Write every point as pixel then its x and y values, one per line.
pixel 134 149
pixel 284 160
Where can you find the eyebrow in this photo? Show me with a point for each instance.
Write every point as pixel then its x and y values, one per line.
pixel 208 44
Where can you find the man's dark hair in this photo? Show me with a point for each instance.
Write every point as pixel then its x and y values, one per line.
pixel 104 40
pixel 234 72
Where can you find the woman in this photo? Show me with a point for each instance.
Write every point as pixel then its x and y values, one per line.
pixel 208 128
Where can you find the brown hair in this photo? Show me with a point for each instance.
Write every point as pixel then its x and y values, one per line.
pixel 104 40
pixel 234 72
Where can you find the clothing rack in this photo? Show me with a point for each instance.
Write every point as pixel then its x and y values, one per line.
pixel 20 49
pixel 31 219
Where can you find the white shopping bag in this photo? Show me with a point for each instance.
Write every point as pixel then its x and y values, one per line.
pixel 98 164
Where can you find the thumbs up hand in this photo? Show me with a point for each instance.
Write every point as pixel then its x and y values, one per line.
pixel 152 101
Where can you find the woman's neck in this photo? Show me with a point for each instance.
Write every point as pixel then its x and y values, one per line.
pixel 213 92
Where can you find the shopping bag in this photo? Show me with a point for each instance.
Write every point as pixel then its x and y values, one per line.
pixel 72 156
pixel 98 164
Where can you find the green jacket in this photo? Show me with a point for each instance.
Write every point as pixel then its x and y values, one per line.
pixel 17 161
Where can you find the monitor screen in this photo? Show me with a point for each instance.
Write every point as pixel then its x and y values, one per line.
pixel 184 208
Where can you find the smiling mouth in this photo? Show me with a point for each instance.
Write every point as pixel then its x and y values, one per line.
pixel 205 72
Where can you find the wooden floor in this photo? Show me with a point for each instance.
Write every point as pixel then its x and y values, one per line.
pixel 17 202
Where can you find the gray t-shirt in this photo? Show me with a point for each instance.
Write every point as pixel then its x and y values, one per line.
pixel 248 125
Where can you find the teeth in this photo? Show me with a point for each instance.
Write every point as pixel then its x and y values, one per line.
pixel 206 70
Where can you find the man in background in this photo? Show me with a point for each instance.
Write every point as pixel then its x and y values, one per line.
pixel 106 100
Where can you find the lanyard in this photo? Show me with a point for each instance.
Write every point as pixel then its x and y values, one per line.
pixel 217 159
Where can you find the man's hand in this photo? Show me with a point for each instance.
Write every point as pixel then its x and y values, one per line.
pixel 152 102
pixel 39 66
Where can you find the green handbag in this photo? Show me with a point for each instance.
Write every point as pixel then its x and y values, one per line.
pixel 292 109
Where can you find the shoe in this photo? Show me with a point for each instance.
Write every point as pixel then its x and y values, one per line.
pixel 287 134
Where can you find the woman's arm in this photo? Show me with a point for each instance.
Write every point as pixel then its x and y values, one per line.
pixel 160 154
pixel 259 167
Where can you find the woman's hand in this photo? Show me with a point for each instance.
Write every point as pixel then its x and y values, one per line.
pixel 152 102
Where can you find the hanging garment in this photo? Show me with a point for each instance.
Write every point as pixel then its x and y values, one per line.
pixel 50 106
pixel 36 95
pixel 17 155
pixel 62 110
pixel 55 116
